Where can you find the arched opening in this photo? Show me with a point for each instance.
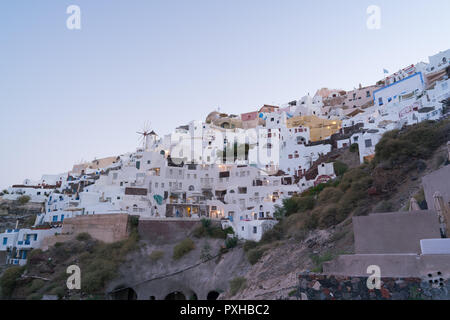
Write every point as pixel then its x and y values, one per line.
pixel 124 294
pixel 225 125
pixel 176 295
pixel 193 296
pixel 212 295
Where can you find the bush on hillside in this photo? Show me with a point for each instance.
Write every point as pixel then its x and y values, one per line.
pixel 23 200
pixel 298 204
pixel 206 229
pixel 418 141
pixel 156 255
pixel 8 281
pixel 237 284
pixel 83 236
pixel 339 168
pixel 231 242
pixel 253 255
pixel 183 248
pixel 249 244
pixel 354 147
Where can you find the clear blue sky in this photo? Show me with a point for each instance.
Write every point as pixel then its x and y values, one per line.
pixel 67 95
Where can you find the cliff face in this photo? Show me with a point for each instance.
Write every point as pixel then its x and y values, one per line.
pixel 11 211
pixel 200 274
pixel 276 274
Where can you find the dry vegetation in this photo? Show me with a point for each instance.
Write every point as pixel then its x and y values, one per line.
pixel 45 272
pixel 357 191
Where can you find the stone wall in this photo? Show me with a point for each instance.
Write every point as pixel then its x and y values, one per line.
pixel 320 287
pixel 104 227
pixel 396 232
pixel 437 181
pixel 167 230
pixel 391 265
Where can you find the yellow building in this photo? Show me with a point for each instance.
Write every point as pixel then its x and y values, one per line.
pixel 319 128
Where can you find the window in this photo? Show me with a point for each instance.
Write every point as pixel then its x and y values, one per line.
pixel 242 190
pixel 62 217
pixel 368 94
pixel 380 101
pixel 368 143
pixel 255 230
pixel 5 241
pixel 55 218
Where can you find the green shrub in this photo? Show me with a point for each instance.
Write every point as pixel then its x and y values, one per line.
pixel 183 248
pixel 59 291
pixel 83 236
pixel 237 284
pixel 274 234
pixel 249 244
pixel 279 212
pixel 298 204
pixel 231 242
pixel 340 168
pixel 156 255
pixel 34 286
pixel 253 255
pixel 206 229
pixel 23 200
pixel 417 141
pixel 354 147
pixel 206 223
pixel 96 274
pixel 330 195
pixel 8 281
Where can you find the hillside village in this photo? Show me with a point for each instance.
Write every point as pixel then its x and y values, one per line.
pixel 236 170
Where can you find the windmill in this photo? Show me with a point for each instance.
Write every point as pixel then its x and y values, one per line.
pixel 145 135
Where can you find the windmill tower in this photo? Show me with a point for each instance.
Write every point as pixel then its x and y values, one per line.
pixel 147 137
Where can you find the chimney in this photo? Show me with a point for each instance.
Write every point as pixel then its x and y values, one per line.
pixel 360 86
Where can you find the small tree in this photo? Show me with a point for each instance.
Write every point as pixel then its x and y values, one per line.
pixel 23 200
